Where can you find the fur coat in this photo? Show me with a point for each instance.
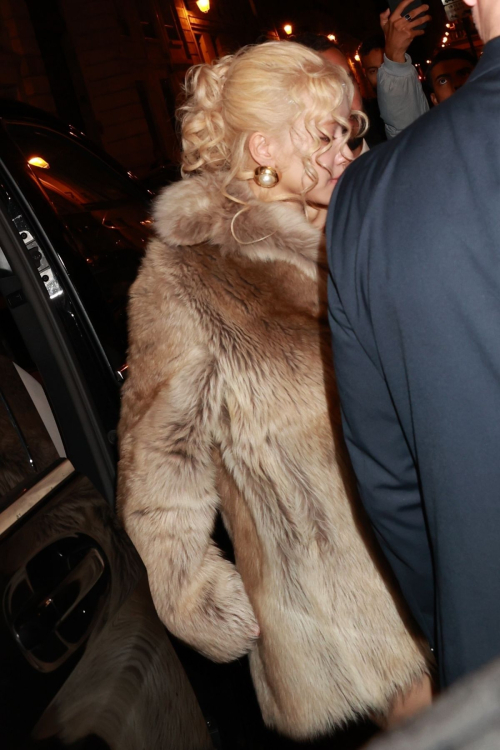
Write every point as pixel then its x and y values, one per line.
pixel 230 406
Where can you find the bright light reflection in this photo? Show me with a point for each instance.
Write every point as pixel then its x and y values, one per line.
pixel 37 161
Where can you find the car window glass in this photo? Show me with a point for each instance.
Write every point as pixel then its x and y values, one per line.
pixel 29 437
pixel 105 213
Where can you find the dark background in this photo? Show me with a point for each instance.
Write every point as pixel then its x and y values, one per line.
pixel 115 68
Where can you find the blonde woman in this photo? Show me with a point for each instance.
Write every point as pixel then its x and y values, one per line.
pixel 231 406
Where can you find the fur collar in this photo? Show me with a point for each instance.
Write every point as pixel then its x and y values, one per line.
pixel 194 211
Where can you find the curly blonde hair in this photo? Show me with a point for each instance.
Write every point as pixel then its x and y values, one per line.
pixel 264 88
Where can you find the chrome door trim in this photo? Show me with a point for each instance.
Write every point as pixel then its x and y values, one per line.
pixel 31 497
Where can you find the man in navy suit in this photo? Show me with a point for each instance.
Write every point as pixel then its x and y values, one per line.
pixel 414 298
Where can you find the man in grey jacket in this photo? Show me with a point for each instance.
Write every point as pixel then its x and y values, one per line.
pixel 400 94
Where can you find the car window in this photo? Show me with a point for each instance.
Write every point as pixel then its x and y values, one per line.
pixel 30 441
pixel 106 214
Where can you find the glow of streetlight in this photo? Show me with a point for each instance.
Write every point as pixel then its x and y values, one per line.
pixel 332 37
pixel 287 28
pixel 445 40
pixel 203 5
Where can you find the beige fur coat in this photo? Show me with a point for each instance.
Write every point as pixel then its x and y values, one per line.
pixel 230 405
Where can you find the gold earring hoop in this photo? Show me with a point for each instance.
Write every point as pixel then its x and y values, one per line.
pixel 266 177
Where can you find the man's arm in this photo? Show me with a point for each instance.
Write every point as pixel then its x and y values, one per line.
pixel 383 465
pixel 401 98
pixel 400 95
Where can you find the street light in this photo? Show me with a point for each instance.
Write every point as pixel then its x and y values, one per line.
pixel 332 37
pixel 203 5
pixel 287 28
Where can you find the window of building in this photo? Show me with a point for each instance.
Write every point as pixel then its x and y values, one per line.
pixel 149 117
pixel 206 47
pixel 169 98
pixel 122 20
pixel 171 21
pixel 147 19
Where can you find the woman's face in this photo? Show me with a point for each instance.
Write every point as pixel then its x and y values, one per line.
pixel 329 165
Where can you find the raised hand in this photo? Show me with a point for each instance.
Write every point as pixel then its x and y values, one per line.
pixel 400 29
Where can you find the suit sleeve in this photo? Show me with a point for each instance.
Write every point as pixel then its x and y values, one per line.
pixel 380 455
pixel 167 492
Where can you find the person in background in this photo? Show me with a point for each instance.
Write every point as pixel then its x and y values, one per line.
pixel 400 94
pixel 448 72
pixel 332 52
pixel 371 55
pixel 401 98
pixel 414 299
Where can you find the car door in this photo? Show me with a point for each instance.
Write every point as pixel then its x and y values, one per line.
pixel 84 223
pixel 85 660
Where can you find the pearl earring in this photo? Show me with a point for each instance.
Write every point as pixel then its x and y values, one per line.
pixel 266 177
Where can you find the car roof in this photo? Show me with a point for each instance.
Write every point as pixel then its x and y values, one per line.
pixel 11 109
pixel 20 110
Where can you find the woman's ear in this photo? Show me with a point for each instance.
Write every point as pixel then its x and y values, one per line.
pixel 261 150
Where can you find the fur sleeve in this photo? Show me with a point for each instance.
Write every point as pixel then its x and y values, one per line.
pixel 166 489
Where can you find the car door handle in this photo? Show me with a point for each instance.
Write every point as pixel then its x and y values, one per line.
pixel 44 613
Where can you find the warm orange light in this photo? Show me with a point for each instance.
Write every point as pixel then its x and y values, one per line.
pixel 428 62
pixel 332 37
pixel 203 5
pixel 447 33
pixel 445 40
pixel 287 28
pixel 37 161
pixel 448 25
pixel 357 58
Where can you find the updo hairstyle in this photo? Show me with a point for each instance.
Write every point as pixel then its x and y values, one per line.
pixel 264 88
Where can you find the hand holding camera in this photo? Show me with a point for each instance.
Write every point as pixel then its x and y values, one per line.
pixel 402 23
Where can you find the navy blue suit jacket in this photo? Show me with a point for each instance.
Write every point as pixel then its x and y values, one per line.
pixel 414 297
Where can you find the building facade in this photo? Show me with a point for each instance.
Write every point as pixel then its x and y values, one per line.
pixel 114 68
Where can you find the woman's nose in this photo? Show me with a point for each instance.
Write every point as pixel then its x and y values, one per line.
pixel 344 155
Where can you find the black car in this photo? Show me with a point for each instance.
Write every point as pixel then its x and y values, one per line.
pixel 85 662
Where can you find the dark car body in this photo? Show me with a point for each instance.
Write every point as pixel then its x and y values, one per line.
pixel 85 662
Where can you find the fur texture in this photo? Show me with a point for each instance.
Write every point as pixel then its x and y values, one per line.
pixel 231 405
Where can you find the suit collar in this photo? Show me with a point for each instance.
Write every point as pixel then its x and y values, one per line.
pixel 490 60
